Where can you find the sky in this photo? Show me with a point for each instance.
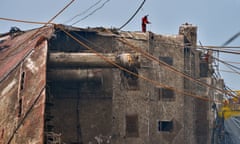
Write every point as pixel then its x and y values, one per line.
pixel 217 20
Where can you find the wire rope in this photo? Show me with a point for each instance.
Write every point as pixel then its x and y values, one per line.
pixel 23 21
pixel 132 15
pixel 91 12
pixel 84 12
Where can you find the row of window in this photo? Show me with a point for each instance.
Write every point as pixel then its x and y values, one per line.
pixel 132 126
pixel 203 66
pixel 163 94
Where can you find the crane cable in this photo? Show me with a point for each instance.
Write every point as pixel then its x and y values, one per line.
pixel 229 66
pixel 150 57
pixel 34 22
pixel 132 73
pixel 91 13
pixel 223 51
pixel 23 21
pixel 238 68
pixel 82 13
pixel 233 62
pixel 61 11
pixel 221 47
pixel 229 71
pixel 132 15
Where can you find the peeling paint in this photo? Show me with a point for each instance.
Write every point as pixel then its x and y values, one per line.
pixel 9 87
pixel 18 61
pixel 31 65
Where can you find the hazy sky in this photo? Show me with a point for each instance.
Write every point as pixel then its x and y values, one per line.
pixel 217 20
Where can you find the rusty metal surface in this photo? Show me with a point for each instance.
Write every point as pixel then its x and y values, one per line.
pixel 14 49
pixel 8 102
pixel 22 88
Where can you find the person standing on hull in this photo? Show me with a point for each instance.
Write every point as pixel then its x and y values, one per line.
pixel 144 23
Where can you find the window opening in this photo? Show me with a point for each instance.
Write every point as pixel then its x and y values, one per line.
pixel 20 101
pixel 22 80
pixel 165 126
pixel 166 94
pixel 167 60
pixel 132 125
pixel 20 107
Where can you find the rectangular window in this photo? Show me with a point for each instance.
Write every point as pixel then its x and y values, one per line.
pixel 133 84
pixel 20 101
pixel 20 107
pixel 203 69
pixel 166 94
pixel 186 50
pixel 165 126
pixel 22 80
pixel 132 125
pixel 167 60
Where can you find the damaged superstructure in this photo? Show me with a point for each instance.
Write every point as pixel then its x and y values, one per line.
pixel 54 89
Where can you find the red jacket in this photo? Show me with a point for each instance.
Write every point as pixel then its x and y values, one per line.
pixel 145 20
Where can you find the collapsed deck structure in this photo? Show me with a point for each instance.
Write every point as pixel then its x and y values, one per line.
pixel 96 85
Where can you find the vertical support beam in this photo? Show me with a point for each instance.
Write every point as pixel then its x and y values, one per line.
pixel 189 33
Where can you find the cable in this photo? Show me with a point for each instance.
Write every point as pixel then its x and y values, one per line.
pixel 221 47
pixel 149 56
pixel 233 71
pixel 91 12
pixel 231 39
pixel 216 70
pixel 224 51
pixel 23 21
pixel 130 72
pixel 233 62
pixel 61 11
pixel 227 71
pixel 133 15
pixel 85 11
pixel 237 72
pixel 238 68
